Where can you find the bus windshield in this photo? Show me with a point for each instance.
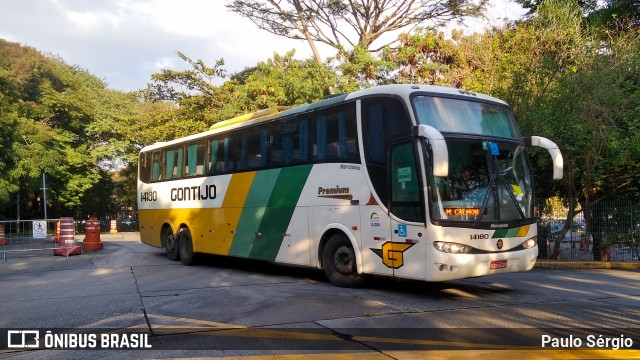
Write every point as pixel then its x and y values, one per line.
pixel 466 117
pixel 488 182
pixel 489 179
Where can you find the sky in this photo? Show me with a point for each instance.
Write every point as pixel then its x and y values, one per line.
pixel 123 42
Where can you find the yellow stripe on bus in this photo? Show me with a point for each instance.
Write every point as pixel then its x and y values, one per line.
pixel 225 220
pixel 523 231
pixel 238 190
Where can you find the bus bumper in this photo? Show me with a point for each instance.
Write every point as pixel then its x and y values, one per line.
pixel 445 266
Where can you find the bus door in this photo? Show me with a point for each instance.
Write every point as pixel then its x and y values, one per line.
pixel 406 253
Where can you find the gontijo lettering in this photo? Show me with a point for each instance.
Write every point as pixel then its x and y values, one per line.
pixel 204 192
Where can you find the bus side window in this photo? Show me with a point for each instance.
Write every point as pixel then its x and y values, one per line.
pixel 156 167
pixel 173 163
pixel 195 163
pixel 242 154
pixel 320 138
pixel 213 157
pixel 220 156
pixel 254 142
pixel 348 136
pixel 384 119
pixel 265 142
pixel 336 135
pixel 301 142
pixel 294 140
pixel 279 149
pixel 144 164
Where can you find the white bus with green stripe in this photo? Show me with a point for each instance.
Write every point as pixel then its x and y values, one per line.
pixel 409 181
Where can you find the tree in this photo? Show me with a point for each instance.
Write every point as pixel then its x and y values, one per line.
pixel 574 84
pixel 587 6
pixel 59 120
pixel 350 23
pixel 282 81
pixel 279 81
pixel 579 89
pixel 616 12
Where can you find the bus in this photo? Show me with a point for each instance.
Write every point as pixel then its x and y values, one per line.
pixel 407 181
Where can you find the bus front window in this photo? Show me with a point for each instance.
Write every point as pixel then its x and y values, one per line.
pixel 488 182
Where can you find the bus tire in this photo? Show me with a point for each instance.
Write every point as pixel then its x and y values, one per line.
pixel 186 248
pixel 339 262
pixel 171 245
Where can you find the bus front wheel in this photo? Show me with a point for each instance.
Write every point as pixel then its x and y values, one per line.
pixel 339 261
pixel 171 245
pixel 186 247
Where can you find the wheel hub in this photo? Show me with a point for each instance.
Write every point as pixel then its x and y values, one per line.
pixel 343 261
pixel 171 242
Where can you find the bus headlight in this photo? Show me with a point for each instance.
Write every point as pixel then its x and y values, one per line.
pixel 451 248
pixel 529 243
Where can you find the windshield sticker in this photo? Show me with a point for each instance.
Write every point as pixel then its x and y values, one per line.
pixel 404 174
pixel 402 230
pixel 494 148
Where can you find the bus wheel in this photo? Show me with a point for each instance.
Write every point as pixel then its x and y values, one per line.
pixel 186 247
pixel 339 262
pixel 171 245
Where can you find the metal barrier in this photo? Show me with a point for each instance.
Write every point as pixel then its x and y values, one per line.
pixel 612 232
pixel 37 235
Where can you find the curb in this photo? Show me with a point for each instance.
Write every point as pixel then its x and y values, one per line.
pixel 551 264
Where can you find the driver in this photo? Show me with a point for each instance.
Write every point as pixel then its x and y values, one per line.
pixel 465 183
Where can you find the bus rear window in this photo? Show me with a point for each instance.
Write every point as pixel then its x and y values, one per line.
pixel 144 166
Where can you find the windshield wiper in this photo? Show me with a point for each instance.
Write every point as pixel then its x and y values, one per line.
pixel 512 195
pixel 485 201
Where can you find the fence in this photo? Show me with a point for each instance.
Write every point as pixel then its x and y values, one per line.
pixel 609 231
pixel 605 231
pixel 57 235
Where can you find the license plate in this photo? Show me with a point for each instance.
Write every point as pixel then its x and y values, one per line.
pixel 498 264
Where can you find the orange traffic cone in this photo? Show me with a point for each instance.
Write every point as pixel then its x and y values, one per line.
pixel 3 242
pixel 57 232
pixel 67 239
pixel 92 235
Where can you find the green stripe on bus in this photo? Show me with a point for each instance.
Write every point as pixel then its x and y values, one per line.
pixel 506 233
pixel 254 208
pixel 513 232
pixel 279 211
pixel 500 233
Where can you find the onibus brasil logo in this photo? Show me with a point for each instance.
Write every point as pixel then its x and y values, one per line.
pixel 31 339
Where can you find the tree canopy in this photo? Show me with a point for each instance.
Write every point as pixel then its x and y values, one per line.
pixel 349 24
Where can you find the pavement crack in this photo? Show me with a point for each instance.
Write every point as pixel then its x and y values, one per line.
pixel 144 310
pixel 347 337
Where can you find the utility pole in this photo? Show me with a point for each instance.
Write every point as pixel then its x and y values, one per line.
pixel 44 191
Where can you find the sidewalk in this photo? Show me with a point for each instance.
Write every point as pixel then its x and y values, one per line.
pixel 555 264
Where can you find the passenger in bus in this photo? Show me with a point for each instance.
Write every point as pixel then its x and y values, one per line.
pixel 465 183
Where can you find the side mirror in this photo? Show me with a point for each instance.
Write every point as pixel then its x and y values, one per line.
pixel 554 151
pixel 439 149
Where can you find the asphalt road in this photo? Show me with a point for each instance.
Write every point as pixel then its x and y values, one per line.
pixel 229 307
